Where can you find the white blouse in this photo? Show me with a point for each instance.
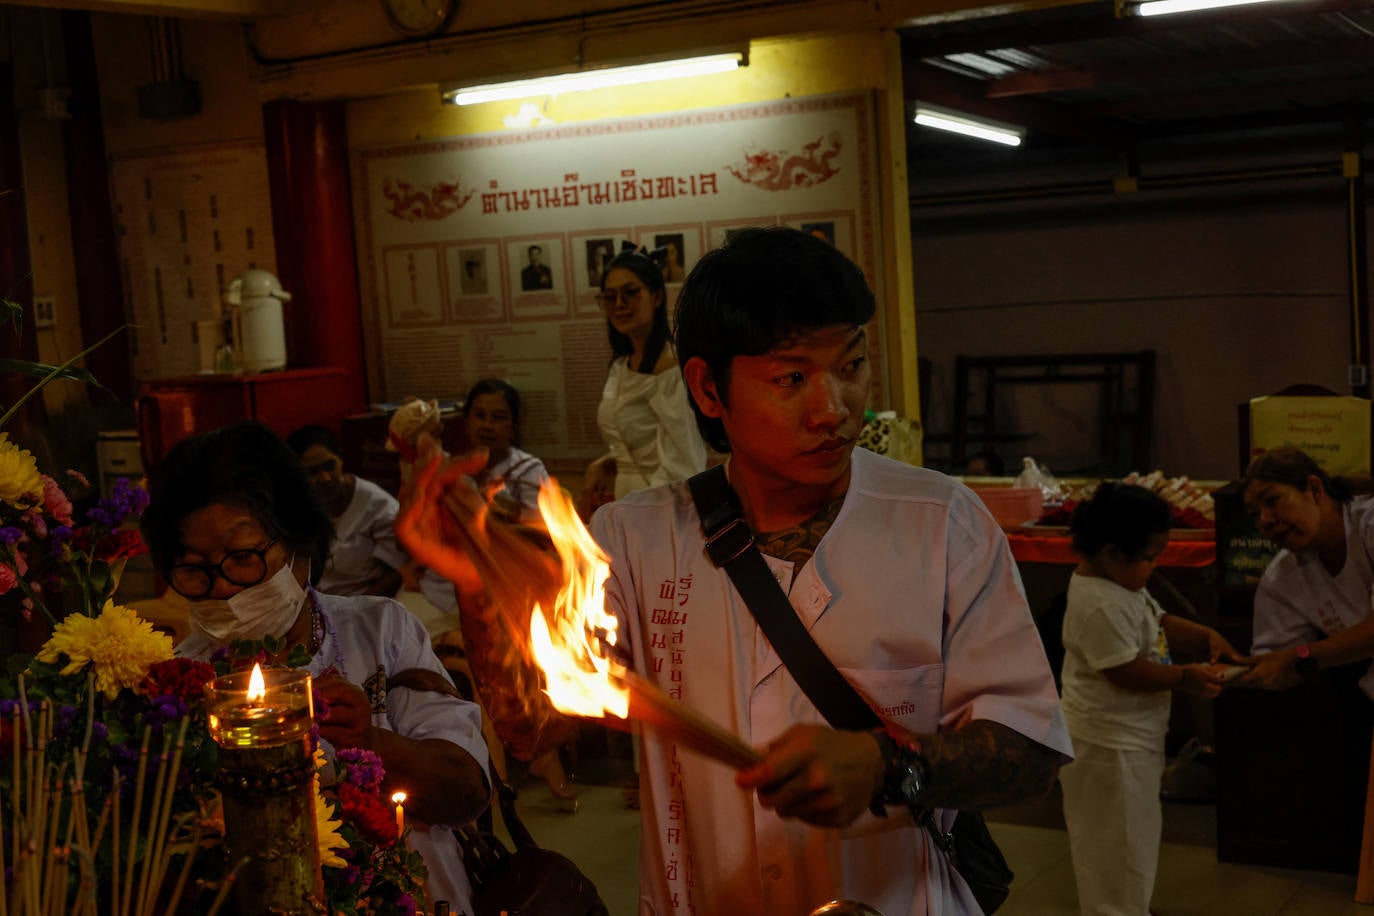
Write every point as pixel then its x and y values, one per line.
pixel 649 428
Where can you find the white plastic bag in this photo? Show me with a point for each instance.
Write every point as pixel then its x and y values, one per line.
pixel 1039 477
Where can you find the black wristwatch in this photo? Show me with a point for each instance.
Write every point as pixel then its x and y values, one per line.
pixel 906 773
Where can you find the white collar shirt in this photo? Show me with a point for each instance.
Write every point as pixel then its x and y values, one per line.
pixel 912 593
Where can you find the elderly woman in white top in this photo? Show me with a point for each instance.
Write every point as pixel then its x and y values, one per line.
pixel 644 414
pixel 235 528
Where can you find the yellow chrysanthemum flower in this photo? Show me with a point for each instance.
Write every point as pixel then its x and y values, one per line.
pixel 119 646
pixel 327 830
pixel 20 483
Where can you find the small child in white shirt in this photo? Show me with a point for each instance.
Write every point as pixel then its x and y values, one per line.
pixel 1118 675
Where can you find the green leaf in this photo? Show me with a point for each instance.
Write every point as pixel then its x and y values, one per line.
pixel 100 585
pixel 24 367
pixel 11 311
pixel 9 414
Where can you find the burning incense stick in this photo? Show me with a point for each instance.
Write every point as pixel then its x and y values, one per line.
pixel 675 720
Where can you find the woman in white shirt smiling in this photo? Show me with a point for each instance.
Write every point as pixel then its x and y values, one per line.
pixel 1312 610
pixel 644 415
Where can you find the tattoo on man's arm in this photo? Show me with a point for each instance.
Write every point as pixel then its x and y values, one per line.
pixel 986 764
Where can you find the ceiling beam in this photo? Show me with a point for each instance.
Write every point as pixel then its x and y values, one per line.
pixel 1098 20
pixel 926 83
pixel 182 9
pixel 1318 93
pixel 1269 59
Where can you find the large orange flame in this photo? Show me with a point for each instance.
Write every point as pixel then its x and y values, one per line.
pixel 570 643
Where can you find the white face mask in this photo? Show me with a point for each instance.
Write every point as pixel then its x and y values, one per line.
pixel 266 609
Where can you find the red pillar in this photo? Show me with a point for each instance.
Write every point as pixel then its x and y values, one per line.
pixel 312 221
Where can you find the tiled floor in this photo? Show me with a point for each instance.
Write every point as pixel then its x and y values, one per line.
pixel 603 836
pixel 603 839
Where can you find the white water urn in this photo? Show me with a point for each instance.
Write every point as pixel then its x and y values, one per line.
pixel 255 297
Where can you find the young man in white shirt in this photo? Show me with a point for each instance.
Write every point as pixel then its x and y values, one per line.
pixel 902 577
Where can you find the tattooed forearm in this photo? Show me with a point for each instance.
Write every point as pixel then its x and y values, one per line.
pixel 798 543
pixel 986 764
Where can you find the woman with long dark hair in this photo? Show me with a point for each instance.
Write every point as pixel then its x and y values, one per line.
pixel 644 414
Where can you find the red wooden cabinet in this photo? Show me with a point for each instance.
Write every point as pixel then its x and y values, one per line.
pixel 169 410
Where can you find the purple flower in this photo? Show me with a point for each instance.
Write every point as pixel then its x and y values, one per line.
pixel 166 708
pixel 362 768
pixel 10 535
pixel 100 731
pixel 125 500
pixel 407 904
pixel 59 535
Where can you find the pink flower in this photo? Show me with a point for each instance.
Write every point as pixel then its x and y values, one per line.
pixel 55 502
pixel 34 519
pixel 8 579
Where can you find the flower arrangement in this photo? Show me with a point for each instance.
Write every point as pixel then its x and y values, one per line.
pixel 44 553
pixel 109 718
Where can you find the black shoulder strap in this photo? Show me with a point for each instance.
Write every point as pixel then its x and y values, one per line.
pixel 730 544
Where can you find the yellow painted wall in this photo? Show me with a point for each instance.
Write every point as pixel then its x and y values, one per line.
pixel 213 55
pixel 394 95
pixel 778 68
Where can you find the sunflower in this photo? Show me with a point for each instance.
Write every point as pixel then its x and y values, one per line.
pixel 21 486
pixel 327 830
pixel 119 646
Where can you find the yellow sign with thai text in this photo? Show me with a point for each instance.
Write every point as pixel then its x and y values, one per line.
pixel 1333 430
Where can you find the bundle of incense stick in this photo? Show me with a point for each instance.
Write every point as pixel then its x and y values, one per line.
pixel 672 719
pixel 50 832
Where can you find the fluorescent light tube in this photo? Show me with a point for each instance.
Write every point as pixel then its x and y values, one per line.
pixel 584 80
pixel 969 127
pixel 1165 7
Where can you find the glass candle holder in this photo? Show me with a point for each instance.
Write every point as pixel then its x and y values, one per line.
pixel 282 714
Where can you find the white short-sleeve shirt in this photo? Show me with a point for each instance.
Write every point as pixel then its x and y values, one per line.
pixel 912 593
pixel 1300 602
pixel 1106 625
pixel 364 537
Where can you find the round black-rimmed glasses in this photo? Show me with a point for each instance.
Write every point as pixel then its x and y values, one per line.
pixel 239 567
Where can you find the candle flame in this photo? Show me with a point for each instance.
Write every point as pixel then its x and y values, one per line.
pixel 257 687
pixel 569 642
pixel 398 797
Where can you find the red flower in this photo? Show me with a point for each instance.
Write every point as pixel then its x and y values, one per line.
pixel 180 677
pixel 369 814
pixel 120 545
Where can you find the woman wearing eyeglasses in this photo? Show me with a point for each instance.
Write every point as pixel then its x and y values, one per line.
pixel 235 527
pixel 644 416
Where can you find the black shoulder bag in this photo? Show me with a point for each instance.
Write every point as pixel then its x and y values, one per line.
pixel 530 880
pixel 969 846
